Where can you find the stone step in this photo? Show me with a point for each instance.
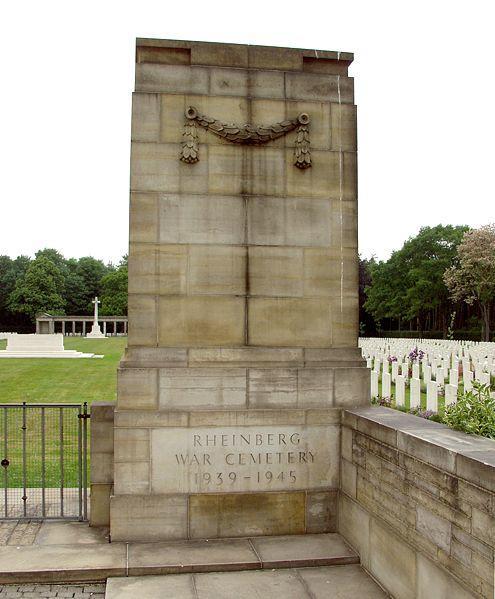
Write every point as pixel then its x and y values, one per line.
pixel 98 561
pixel 324 582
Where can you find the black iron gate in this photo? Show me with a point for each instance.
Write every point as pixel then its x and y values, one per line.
pixel 44 465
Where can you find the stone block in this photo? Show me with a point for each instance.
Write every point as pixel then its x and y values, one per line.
pixel 437 530
pixel 185 388
pixel 276 271
pixel 287 59
pixel 478 467
pixel 433 581
pixel 348 478
pixel 160 517
pixel 145 117
pixel 143 218
pixel 323 416
pixel 156 167
pixel 100 504
pixel 101 469
pixel 282 416
pixel 137 388
pixel 132 478
pixel 346 443
pixel 201 219
pixel 150 419
pixel 253 170
pixel 289 322
pixel 326 88
pixel 344 223
pixel 483 527
pixel 223 55
pixel 354 526
pixel 289 221
pixel 217 270
pixel 242 515
pixel 272 387
pixel 132 445
pixel 352 386
pixel 142 320
pixel 253 456
pixel 172 79
pixel 171 269
pixel 330 272
pixel 142 268
pixel 345 321
pixel 246 356
pixel 163 55
pixel 201 320
pixel 315 387
pixel 322 180
pixel 252 83
pixel 321 511
pixel 101 439
pixel 153 357
pixel 102 411
pixel 392 561
pixel 344 128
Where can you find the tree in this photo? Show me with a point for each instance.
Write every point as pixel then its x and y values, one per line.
pixel 410 286
pixel 114 292
pixel 41 289
pixel 472 277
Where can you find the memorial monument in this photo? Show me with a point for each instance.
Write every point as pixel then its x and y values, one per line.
pixel 95 332
pixel 243 293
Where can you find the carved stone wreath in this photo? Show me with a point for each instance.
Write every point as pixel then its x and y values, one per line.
pixel 245 134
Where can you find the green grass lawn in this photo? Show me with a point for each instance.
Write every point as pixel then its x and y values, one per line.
pixel 52 380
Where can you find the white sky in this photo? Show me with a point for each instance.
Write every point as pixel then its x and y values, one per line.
pixel 425 91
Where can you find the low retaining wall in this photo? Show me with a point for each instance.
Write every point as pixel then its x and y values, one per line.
pixel 417 502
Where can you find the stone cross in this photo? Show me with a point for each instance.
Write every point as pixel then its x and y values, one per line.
pixel 96 301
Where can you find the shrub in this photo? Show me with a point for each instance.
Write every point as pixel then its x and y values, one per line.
pixel 474 412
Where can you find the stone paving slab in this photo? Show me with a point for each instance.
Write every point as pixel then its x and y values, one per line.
pixel 50 591
pixel 325 582
pixel 303 550
pixel 71 551
pixel 62 563
pixel 191 556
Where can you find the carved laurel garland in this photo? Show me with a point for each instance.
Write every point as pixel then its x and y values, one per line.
pixel 245 134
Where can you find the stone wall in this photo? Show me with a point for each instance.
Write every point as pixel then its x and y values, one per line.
pixel 417 502
pixel 101 463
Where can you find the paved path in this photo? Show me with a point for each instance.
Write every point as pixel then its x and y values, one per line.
pixel 49 591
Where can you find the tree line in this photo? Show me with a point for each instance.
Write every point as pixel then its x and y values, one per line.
pixel 440 283
pixel 52 283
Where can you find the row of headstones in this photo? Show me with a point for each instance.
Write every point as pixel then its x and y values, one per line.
pixel 428 362
pixel 4 335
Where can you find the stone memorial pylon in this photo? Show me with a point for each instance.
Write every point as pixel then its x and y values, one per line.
pixel 243 293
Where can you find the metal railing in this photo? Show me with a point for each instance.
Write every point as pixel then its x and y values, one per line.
pixel 44 449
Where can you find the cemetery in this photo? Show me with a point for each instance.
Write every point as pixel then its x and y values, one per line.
pixel 236 436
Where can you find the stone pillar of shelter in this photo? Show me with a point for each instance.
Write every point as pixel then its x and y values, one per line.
pixel 243 293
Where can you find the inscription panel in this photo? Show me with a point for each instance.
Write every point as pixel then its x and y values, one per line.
pixel 240 459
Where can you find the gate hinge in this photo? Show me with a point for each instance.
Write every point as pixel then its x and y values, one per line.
pixel 84 416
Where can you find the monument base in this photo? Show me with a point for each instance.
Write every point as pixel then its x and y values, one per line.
pixel 95 333
pixel 231 451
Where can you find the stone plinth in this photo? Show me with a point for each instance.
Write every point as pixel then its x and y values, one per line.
pixel 243 293
pixel 40 346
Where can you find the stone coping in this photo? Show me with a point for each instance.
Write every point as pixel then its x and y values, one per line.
pixel 346 57
pixel 256 357
pixel 468 456
pixel 98 560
